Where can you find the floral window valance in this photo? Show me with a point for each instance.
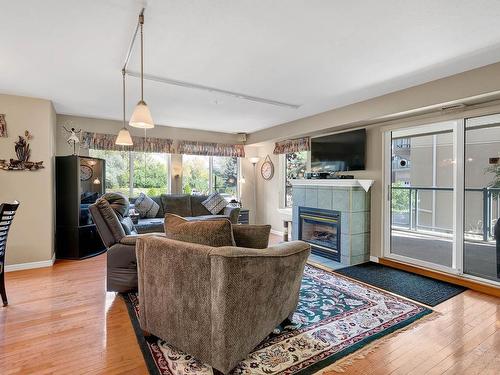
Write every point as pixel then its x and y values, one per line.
pixel 211 149
pixel 100 141
pixel 292 145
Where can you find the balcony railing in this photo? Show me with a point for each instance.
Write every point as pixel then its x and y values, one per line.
pixel 409 218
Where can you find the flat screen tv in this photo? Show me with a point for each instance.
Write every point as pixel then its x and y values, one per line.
pixel 339 152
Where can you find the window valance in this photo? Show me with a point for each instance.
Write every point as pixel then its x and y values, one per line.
pixel 100 141
pixel 211 149
pixel 292 145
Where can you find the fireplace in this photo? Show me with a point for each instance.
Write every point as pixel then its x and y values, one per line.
pixel 321 229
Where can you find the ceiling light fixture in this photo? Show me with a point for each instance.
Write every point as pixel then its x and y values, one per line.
pixel 124 138
pixel 141 118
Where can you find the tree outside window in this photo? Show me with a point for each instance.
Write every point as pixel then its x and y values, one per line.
pixel 225 176
pixel 195 174
pixel 149 172
pixel 295 167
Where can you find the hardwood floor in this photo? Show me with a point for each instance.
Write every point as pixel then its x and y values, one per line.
pixel 60 320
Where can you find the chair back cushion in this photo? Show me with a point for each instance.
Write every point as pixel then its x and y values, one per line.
pixel 112 225
pixel 176 204
pixel 215 233
pixel 146 206
pixel 118 202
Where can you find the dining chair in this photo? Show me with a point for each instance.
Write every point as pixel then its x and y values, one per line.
pixel 7 212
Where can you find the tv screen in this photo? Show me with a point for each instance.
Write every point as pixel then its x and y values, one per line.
pixel 339 152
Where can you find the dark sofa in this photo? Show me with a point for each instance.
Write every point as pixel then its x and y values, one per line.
pixel 188 206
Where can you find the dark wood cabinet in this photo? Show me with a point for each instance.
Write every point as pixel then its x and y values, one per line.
pixel 79 182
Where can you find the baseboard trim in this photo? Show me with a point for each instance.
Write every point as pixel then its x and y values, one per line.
pixel 468 283
pixel 277 232
pixel 373 259
pixel 30 265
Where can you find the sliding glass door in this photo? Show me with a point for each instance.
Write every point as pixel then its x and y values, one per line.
pixel 481 198
pixel 443 196
pixel 422 192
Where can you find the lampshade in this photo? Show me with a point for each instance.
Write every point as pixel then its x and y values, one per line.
pixel 124 138
pixel 254 159
pixel 141 118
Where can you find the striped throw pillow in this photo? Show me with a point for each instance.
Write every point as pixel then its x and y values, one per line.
pixel 146 206
pixel 215 203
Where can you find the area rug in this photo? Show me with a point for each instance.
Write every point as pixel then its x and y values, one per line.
pixel 335 317
pixel 423 289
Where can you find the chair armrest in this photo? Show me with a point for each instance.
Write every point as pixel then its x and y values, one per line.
pixel 132 239
pixel 174 292
pixel 233 213
pixel 253 290
pixel 251 236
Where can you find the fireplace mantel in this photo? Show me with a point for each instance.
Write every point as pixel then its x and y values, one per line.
pixel 365 184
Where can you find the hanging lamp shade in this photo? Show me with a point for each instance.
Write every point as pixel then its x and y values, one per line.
pixel 141 118
pixel 124 138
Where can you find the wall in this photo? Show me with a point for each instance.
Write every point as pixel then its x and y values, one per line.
pixel 270 193
pixel 31 238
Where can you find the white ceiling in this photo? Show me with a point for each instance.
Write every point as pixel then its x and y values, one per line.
pixel 321 54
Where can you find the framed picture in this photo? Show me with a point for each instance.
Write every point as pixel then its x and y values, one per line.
pixel 3 126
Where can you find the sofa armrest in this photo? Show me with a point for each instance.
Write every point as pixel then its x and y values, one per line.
pixel 232 213
pixel 132 239
pixel 251 236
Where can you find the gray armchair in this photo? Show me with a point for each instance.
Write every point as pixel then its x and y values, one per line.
pixel 112 224
pixel 217 304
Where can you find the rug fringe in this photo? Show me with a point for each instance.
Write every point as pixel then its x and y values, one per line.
pixel 344 363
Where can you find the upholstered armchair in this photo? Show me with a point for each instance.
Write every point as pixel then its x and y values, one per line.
pixel 110 215
pixel 218 303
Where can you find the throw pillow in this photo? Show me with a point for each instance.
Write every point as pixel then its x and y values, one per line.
pixel 215 233
pixel 214 203
pixel 146 206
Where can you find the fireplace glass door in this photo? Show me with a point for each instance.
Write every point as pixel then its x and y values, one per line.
pixel 321 228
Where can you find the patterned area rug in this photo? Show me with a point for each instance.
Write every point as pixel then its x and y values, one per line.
pixel 335 317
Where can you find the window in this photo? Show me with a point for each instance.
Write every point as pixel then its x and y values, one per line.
pixel 225 176
pixel 295 167
pixel 131 173
pixel 117 170
pixel 204 174
pixel 150 174
pixel 195 174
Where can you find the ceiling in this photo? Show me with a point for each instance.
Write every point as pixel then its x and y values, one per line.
pixel 321 54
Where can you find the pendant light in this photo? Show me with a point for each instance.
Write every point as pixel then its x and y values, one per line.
pixel 124 138
pixel 141 118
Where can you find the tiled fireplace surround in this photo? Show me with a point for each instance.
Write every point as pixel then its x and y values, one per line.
pixel 353 202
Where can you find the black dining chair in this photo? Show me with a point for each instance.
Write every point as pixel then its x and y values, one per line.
pixel 7 212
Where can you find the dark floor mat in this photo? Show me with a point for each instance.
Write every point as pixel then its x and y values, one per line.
pixel 418 288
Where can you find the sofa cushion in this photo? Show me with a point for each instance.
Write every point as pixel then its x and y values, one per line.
pixel 206 217
pixel 149 225
pixel 214 233
pixel 176 204
pixel 128 225
pixel 215 203
pixel 118 202
pixel 197 207
pixel 146 206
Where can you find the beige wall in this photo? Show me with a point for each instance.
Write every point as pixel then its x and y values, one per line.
pixel 31 238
